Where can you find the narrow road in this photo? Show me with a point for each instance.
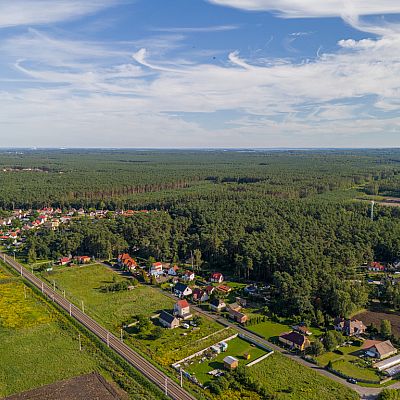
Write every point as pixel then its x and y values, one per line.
pixel 369 393
pixel 167 385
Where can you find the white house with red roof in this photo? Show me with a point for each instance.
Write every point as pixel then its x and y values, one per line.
pixel 182 309
pixel 217 277
pixel 64 260
pixel 156 269
pixel 376 267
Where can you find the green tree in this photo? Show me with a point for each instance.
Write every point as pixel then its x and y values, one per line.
pixel 386 329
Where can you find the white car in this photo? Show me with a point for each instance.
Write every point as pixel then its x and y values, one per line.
pixel 185 326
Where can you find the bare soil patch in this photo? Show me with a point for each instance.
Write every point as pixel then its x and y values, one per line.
pixel 375 318
pixel 85 387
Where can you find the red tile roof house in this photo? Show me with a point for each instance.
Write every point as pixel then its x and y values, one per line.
pixel 217 277
pixel 64 260
pixel 376 266
pixel 182 309
pixel 294 340
pixel 156 269
pixel 235 314
pixel 127 262
pixel 82 259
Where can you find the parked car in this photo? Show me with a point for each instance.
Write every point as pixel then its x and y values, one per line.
pixel 185 326
pixel 352 380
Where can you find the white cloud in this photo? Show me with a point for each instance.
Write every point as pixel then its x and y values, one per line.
pixel 36 12
pixel 200 29
pixel 315 8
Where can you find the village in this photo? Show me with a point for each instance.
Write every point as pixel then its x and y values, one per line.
pixel 357 351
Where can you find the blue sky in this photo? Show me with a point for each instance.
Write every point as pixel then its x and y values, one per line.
pixel 199 73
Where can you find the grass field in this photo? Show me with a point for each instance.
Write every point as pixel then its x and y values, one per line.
pixel 236 347
pixel 38 346
pixel 349 363
pixel 288 380
pixel 112 309
pixel 32 344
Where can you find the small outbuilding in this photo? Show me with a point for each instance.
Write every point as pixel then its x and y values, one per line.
pixel 230 363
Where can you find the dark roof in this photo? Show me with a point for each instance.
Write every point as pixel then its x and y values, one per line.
pixel 216 302
pixel 294 337
pixel 167 317
pixel 180 287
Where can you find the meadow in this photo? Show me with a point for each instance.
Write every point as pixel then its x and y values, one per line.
pixel 288 380
pixel 116 308
pixel 39 346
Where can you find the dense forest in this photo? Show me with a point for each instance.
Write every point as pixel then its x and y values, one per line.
pixel 289 219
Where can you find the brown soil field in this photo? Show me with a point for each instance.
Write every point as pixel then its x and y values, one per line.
pixel 375 317
pixel 85 387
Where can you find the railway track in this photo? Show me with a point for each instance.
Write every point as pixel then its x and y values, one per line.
pixel 166 384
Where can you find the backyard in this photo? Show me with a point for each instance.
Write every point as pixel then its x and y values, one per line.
pixel 349 363
pixel 236 347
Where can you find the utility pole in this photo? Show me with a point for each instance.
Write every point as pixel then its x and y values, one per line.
pixel 54 285
pixel 80 342
pixel 42 288
pixel 83 307
pixel 108 339
pixel 21 271
pixel 64 293
pixel 180 370
pixel 372 210
pixel 166 386
pixel 70 309
pixel 122 335
pixel 25 291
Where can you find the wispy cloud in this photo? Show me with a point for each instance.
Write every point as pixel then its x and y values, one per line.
pixel 200 29
pixel 315 8
pixel 38 12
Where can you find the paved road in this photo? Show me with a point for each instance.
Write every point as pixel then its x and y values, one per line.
pixel 369 393
pixel 172 389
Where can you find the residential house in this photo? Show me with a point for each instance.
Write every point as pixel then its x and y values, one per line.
pixel 173 271
pixel 349 327
pixel 168 321
pixel 156 269
pixel 294 340
pixel 217 277
pixel 127 262
pixel 82 259
pixel 52 225
pixel 379 349
pixel 188 276
pixel 217 305
pixel 224 289
pixel 302 329
pixel 200 295
pixel 182 290
pixel 182 309
pixel 376 267
pixel 230 363
pixel 209 290
pixel 235 313
pixel 64 260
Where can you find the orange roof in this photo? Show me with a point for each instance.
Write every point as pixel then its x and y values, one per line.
pixel 182 303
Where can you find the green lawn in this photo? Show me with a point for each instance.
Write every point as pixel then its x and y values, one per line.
pixel 112 309
pixel 289 380
pixel 349 363
pixel 236 347
pixel 269 329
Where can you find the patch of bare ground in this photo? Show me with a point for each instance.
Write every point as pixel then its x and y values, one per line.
pixel 85 387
